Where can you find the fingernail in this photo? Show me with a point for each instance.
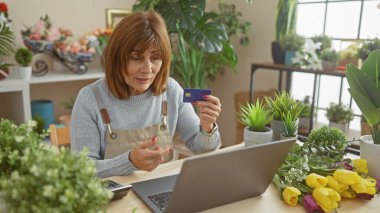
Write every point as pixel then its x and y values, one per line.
pixel 194 103
pixel 205 96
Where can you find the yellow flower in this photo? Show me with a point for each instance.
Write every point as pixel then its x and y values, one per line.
pixel 315 181
pixel 336 185
pixel 326 198
pixel 348 194
pixel 373 180
pixel 360 166
pixel 364 186
pixel 346 176
pixel 290 195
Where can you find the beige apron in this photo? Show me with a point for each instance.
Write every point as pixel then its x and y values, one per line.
pixel 121 141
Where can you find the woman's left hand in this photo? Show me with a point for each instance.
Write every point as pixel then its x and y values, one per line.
pixel 209 111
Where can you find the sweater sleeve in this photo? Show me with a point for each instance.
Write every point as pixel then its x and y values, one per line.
pixel 87 131
pixel 188 125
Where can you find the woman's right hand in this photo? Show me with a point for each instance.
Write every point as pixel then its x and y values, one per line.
pixel 146 159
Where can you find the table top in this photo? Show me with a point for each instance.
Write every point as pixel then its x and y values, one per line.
pixel 268 202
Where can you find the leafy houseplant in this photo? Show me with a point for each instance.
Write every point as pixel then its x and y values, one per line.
pixel 281 105
pixel 304 122
pixel 329 59
pixel 291 43
pixel 339 115
pixel 349 55
pixel 367 47
pixel 324 40
pixel 365 90
pixel 289 126
pixel 38 178
pixel 255 117
pixel 23 57
pixel 7 40
pixel 199 34
pixel 285 25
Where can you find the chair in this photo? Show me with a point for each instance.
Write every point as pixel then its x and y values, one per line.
pixel 59 136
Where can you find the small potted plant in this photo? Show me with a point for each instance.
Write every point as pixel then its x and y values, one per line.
pixel 23 57
pixel 324 40
pixel 279 106
pixel 291 43
pixel 349 55
pixel 289 126
pixel 255 117
pixel 339 115
pixel 304 118
pixel 365 90
pixel 329 59
pixel 367 47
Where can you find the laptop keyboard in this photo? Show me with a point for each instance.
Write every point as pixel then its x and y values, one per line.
pixel 160 200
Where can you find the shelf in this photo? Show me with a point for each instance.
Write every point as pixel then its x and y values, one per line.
pixel 62 76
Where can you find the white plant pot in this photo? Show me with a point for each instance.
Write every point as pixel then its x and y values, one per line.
pixel 25 73
pixel 370 152
pixel 283 137
pixel 340 126
pixel 276 126
pixel 252 138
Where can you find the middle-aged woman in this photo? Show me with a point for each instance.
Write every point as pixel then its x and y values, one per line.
pixel 127 120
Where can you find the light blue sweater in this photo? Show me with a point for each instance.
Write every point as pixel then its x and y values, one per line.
pixel 87 129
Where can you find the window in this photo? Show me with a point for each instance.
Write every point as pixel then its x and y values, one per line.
pixel 346 21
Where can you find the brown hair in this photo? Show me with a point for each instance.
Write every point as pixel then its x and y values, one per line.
pixel 136 32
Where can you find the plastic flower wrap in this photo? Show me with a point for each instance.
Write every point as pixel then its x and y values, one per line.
pixel 323 177
pixel 42 36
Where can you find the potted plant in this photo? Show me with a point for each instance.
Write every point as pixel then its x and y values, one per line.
pixel 324 40
pixel 279 106
pixel 329 59
pixel 255 117
pixel 37 178
pixel 23 57
pixel 304 119
pixel 339 115
pixel 349 55
pixel 365 90
pixel 285 24
pixel 291 43
pixel 7 41
pixel 367 47
pixel 289 126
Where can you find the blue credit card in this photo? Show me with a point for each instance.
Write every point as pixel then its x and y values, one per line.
pixel 191 95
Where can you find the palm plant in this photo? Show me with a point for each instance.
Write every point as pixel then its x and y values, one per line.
pixel 255 116
pixel 283 104
pixel 6 40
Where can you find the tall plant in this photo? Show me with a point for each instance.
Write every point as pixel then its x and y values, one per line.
pixel 365 90
pixel 199 37
pixel 286 18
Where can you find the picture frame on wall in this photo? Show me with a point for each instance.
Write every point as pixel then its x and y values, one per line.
pixel 113 16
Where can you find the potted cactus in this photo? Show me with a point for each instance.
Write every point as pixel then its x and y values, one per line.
pixel 365 90
pixel 23 57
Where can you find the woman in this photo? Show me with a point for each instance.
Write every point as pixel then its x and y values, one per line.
pixel 127 120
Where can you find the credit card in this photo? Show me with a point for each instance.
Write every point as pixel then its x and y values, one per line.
pixel 191 95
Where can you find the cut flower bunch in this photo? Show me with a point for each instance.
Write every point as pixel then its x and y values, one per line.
pixel 318 177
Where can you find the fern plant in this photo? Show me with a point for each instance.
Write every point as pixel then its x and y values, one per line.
pixel 255 116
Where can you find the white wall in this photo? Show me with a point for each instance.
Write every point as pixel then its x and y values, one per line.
pixel 82 16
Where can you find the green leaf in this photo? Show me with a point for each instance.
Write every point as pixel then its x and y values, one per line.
pixel 371 67
pixel 6 40
pixel 369 110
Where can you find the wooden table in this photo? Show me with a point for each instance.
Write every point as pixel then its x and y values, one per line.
pixel 267 202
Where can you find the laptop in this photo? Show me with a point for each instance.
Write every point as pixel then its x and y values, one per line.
pixel 215 179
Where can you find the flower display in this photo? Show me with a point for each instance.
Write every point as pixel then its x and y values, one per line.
pixel 102 35
pixel 307 57
pixel 43 36
pixel 4 14
pixel 318 177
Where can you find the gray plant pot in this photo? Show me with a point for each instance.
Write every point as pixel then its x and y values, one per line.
pixel 304 123
pixel 370 152
pixel 276 126
pixel 329 65
pixel 252 138
pixel 343 127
